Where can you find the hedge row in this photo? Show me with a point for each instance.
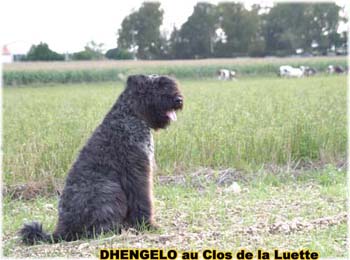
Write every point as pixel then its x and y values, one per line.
pixel 14 78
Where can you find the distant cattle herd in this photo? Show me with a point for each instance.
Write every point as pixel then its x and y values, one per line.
pixel 286 71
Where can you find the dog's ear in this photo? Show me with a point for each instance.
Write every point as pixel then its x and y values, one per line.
pixel 137 83
pixel 136 80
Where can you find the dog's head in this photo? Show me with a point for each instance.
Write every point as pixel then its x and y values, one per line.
pixel 155 99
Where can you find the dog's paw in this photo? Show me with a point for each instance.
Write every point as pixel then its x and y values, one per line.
pixel 153 227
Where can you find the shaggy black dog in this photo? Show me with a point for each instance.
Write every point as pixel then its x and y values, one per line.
pixel 110 184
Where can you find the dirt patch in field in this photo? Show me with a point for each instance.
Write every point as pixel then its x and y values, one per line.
pixel 295 225
pixel 178 238
pixel 225 177
pixel 202 177
pixel 33 189
pixel 198 179
pixel 280 217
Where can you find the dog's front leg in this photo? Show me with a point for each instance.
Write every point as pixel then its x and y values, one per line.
pixel 141 209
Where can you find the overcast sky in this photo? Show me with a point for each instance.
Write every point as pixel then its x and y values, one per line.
pixel 67 25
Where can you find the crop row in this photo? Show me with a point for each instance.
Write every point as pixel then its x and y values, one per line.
pixel 188 71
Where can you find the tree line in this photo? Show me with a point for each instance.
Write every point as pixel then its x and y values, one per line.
pixel 227 29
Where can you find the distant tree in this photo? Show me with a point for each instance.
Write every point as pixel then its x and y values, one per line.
pixel 175 44
pixel 279 36
pixel 257 48
pixel 140 31
pixel 92 51
pixel 257 45
pixel 196 38
pixel 225 30
pixel 127 34
pixel 229 30
pixel 241 29
pixel 42 52
pixel 322 24
pixel 119 54
pixel 290 26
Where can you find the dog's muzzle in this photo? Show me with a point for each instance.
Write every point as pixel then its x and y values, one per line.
pixel 178 102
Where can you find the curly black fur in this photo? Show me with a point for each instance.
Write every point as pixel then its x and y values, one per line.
pixel 110 184
pixel 33 232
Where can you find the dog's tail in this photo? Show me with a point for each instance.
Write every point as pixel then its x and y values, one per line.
pixel 33 233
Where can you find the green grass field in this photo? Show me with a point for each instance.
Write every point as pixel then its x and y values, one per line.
pixel 243 124
pixel 282 140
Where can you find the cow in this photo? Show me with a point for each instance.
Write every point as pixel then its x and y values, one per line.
pixel 225 74
pixel 308 71
pixel 335 69
pixel 290 72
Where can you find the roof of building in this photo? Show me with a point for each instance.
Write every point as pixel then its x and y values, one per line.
pixel 5 50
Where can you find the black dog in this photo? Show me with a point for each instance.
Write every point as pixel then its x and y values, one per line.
pixel 110 184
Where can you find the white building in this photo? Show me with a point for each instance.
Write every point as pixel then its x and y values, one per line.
pixel 6 56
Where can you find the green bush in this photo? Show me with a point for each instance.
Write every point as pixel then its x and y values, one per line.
pixel 87 54
pixel 42 52
pixel 119 54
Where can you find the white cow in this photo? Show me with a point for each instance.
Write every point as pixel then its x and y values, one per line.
pixel 291 72
pixel 225 74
